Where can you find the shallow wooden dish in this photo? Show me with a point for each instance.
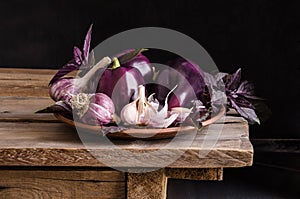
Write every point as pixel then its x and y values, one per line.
pixel 140 133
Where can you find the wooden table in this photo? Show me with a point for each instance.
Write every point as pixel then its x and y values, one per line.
pixel 41 157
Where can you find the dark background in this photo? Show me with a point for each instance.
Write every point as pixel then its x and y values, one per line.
pixel 261 37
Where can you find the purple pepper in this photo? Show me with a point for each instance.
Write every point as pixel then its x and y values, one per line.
pixel 120 84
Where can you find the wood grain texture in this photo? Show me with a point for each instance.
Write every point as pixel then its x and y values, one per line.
pixel 25 82
pixel 56 144
pixel 195 174
pixel 21 109
pixel 61 184
pixel 29 139
pixel 151 185
pixel 19 83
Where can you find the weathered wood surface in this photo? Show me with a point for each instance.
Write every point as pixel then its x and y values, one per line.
pixel 61 183
pixel 29 139
pixel 24 82
pixel 195 174
pixel 153 185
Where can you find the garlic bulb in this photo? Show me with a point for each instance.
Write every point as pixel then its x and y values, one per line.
pixel 63 88
pixel 94 109
pixel 144 112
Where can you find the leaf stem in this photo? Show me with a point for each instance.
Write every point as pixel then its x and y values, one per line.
pixel 116 63
pixel 101 64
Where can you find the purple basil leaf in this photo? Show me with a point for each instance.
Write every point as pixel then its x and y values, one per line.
pixel 86 45
pixel 247 113
pixel 246 89
pixel 69 67
pixel 77 55
pixel 91 62
pixel 234 80
pixel 261 109
pixel 58 107
pixel 241 101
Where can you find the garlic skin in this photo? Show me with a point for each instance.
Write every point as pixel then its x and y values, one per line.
pixel 94 109
pixel 63 88
pixel 138 111
pixel 145 112
pixel 183 113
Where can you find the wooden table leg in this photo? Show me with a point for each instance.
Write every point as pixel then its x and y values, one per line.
pixel 151 185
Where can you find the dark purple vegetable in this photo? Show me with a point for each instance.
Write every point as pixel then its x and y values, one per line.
pixel 189 78
pixel 140 62
pixel 120 84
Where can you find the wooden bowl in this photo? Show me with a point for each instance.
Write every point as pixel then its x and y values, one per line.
pixel 141 133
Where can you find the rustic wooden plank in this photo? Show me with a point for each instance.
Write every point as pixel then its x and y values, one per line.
pixel 31 88
pixel 150 185
pixel 64 173
pixel 27 71
pixel 25 82
pixel 40 134
pixel 13 76
pixel 195 174
pixel 48 157
pixel 42 184
pixel 21 109
pixel 57 144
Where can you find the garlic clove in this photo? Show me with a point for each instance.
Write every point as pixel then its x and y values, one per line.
pixel 182 112
pixel 164 123
pixel 145 112
pixel 129 113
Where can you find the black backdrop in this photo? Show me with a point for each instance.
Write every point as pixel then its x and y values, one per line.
pixel 261 37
